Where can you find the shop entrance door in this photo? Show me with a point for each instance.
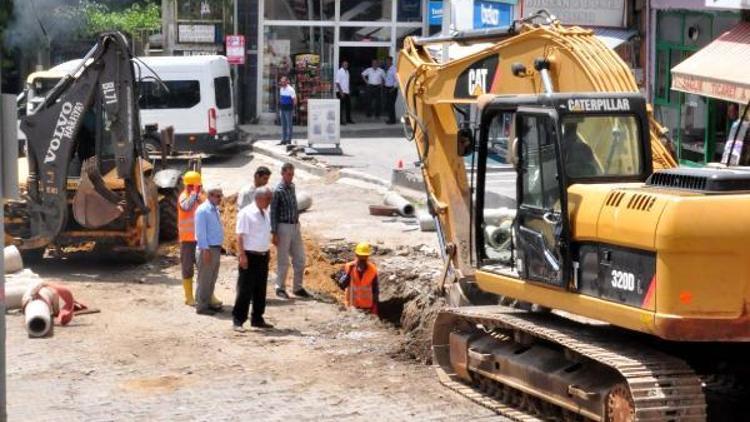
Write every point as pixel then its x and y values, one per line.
pixel 360 58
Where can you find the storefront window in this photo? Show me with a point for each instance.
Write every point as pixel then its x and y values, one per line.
pixel 693 117
pixel 409 11
pixel 305 55
pixel 365 10
pixel 302 10
pixel 366 33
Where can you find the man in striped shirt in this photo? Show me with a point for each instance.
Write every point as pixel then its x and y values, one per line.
pixel 286 234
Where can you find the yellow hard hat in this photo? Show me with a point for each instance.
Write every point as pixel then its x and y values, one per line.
pixel 192 178
pixel 363 249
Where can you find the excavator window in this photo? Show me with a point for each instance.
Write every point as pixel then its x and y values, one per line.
pixel 601 146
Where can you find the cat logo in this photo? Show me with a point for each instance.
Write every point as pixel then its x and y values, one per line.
pixel 477 82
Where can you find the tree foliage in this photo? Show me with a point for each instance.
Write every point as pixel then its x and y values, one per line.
pixel 136 17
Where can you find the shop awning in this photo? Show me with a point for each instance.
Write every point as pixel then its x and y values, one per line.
pixel 720 69
pixel 612 38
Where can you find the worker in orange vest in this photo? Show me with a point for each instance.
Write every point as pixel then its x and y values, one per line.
pixel 187 203
pixel 359 279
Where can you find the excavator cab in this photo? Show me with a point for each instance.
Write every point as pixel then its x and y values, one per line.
pixel 555 141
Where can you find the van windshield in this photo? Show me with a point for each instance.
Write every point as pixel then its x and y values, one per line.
pixel 181 94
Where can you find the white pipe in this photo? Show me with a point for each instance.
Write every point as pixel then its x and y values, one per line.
pixel 304 201
pixel 12 259
pixel 426 221
pixel 38 318
pixel 405 208
pixel 14 295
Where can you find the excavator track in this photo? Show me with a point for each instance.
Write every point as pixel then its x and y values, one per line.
pixel 633 381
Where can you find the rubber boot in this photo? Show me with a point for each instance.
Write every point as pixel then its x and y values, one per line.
pixel 187 286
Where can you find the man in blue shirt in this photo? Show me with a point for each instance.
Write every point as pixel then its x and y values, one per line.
pixel 287 101
pixel 209 234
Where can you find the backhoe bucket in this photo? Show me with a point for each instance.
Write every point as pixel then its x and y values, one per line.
pixel 90 209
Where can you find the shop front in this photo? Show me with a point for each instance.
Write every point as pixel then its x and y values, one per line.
pixel 698 123
pixel 306 40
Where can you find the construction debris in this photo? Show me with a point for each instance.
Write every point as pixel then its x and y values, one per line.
pixel 426 221
pixel 404 207
pixel 383 210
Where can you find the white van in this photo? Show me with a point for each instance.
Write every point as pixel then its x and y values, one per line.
pixel 197 102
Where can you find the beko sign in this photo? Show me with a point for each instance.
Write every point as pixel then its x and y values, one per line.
pixel 610 13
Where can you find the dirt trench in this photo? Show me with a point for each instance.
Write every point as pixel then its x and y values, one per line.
pixel 407 276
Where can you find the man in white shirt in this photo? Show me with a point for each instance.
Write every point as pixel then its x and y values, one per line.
pixel 343 92
pixel 254 243
pixel 391 90
pixel 374 77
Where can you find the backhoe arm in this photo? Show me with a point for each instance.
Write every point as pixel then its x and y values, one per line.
pixel 578 62
pixel 52 132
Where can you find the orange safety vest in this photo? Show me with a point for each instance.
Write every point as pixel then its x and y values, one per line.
pixel 359 292
pixel 186 219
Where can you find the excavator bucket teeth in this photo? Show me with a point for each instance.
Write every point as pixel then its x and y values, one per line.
pixel 90 209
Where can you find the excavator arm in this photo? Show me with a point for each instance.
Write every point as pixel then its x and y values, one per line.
pixel 434 93
pixel 105 75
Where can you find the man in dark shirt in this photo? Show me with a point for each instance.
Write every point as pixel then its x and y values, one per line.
pixel 286 234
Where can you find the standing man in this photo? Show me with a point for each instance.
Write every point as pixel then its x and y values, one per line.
pixel 287 101
pixel 209 234
pixel 343 92
pixel 187 203
pixel 374 77
pixel 391 90
pixel 359 279
pixel 254 239
pixel 286 234
pixel 246 195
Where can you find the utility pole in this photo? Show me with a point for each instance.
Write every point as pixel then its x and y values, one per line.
pixel 9 190
pixel 235 68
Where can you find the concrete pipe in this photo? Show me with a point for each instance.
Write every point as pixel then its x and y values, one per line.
pixel 12 259
pixel 38 318
pixel 426 221
pixel 14 295
pixel 498 236
pixel 304 201
pixel 495 216
pixel 404 207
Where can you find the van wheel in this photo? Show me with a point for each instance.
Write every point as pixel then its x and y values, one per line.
pixel 168 230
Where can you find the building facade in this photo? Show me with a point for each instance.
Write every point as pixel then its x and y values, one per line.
pixel 698 124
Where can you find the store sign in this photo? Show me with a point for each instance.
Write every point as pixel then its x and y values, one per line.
pixel 436 12
pixel 235 48
pixel 729 4
pixel 711 88
pixel 610 13
pixel 196 33
pixel 489 14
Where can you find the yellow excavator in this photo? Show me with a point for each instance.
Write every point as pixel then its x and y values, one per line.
pixel 621 291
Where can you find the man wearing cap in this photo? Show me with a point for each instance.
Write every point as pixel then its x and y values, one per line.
pixel 189 200
pixel 359 280
pixel 209 234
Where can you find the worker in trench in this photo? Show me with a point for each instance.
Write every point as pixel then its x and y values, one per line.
pixel 190 198
pixel 359 280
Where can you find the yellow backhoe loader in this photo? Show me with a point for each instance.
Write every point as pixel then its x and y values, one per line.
pixel 86 176
pixel 622 290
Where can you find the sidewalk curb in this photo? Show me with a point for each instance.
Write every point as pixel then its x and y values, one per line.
pixel 301 164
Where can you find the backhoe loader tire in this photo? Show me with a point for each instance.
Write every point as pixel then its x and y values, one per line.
pixel 150 237
pixel 168 230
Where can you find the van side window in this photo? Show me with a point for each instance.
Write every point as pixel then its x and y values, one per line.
pixel 182 94
pixel 223 92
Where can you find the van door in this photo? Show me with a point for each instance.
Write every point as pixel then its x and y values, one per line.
pixel 224 107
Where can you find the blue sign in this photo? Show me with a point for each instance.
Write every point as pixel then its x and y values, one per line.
pixel 435 11
pixel 490 14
